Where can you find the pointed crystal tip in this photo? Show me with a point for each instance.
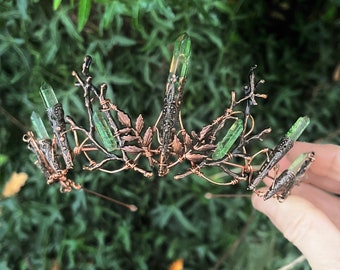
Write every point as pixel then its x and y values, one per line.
pixel 39 126
pixel 48 95
pixel 299 126
pixel 181 55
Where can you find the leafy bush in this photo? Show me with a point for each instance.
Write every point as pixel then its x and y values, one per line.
pixel 294 43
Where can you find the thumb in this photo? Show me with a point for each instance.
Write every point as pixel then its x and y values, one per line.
pixel 306 227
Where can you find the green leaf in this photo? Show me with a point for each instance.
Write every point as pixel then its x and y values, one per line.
pixel 3 159
pixel 56 4
pixel 183 220
pixel 123 234
pixel 22 7
pixel 161 215
pixel 83 13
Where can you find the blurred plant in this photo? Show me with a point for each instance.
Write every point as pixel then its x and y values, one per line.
pixel 14 184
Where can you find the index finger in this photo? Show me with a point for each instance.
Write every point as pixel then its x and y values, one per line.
pixel 304 224
pixel 325 170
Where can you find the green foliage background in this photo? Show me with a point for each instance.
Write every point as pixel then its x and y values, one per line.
pixel 296 46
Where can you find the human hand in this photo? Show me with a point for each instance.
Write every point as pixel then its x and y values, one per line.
pixel 310 216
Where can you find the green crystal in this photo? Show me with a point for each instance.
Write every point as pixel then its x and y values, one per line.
pixel 299 126
pixel 48 95
pixel 104 131
pixel 298 162
pixel 228 140
pixel 181 55
pixel 39 126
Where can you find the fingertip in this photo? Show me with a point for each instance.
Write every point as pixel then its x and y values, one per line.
pixel 259 203
pixel 306 227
